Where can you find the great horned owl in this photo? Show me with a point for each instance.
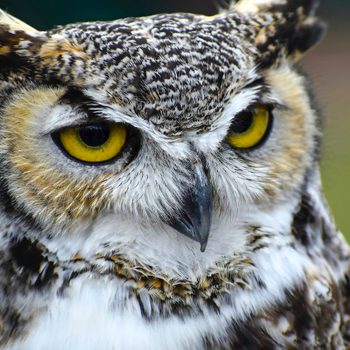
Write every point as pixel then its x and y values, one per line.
pixel 160 186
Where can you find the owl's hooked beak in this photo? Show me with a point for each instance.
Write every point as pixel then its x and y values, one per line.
pixel 194 220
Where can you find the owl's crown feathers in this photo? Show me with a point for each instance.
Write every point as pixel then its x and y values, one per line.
pixel 279 27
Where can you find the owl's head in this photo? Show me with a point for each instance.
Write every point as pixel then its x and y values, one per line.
pixel 174 122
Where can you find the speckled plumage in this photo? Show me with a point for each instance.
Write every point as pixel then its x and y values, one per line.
pixel 88 259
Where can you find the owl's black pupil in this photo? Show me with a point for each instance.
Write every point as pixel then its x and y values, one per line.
pixel 242 122
pixel 94 135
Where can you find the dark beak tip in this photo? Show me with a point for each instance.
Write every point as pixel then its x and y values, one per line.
pixel 203 247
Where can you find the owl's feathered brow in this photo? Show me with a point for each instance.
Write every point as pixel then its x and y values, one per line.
pixel 177 71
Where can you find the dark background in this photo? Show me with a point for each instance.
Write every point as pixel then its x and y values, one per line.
pixel 328 67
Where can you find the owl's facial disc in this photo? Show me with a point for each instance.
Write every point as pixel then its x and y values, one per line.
pixel 194 220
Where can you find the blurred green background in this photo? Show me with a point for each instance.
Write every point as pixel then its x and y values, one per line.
pixel 328 66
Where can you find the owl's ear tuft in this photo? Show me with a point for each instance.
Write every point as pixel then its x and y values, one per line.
pixel 308 7
pixel 305 36
pixel 25 49
pixel 13 23
pixel 18 42
pixel 286 28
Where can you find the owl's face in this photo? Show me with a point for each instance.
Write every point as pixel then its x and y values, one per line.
pixel 172 122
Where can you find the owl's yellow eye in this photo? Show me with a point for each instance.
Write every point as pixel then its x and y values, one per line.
pixel 93 143
pixel 250 127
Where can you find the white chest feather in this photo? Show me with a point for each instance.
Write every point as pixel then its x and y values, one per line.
pixel 94 314
pixel 91 318
pixel 98 310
